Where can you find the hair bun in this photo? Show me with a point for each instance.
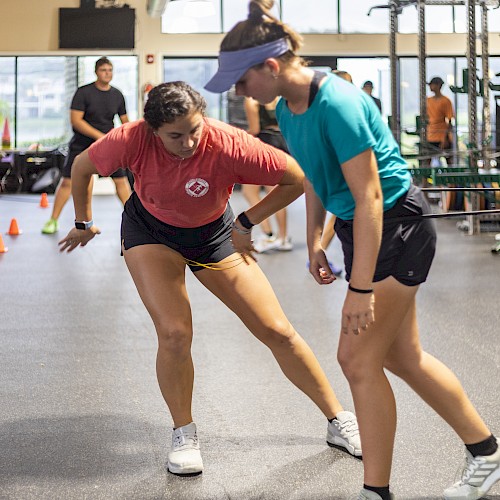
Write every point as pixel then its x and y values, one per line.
pixel 255 13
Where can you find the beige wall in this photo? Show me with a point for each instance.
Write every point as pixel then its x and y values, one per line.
pixel 31 27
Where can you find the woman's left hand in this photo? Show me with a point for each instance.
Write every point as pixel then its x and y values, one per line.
pixel 243 244
pixel 358 312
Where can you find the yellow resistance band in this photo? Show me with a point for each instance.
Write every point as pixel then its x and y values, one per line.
pixel 216 266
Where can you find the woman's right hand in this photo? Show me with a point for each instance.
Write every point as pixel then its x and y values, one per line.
pixel 77 237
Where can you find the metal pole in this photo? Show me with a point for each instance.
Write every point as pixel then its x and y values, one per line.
pixel 474 225
pixel 472 84
pixel 422 74
pixel 395 121
pixel 486 129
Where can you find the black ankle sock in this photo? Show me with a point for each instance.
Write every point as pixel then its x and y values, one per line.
pixel 270 234
pixel 332 419
pixel 484 448
pixel 383 491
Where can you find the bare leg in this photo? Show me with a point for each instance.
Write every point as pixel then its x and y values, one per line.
pixel 282 224
pixel 123 190
pixel 62 194
pixel 328 232
pixel 159 275
pixel 434 383
pixel 392 342
pixel 259 309
pixel 251 193
pixel 281 219
pixel 362 360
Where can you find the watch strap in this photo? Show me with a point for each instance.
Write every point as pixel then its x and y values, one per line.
pixel 83 225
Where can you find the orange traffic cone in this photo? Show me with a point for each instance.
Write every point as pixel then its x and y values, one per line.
pixel 6 144
pixel 14 228
pixel 44 202
pixel 3 248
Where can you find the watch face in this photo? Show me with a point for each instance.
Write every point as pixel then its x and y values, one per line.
pixel 80 225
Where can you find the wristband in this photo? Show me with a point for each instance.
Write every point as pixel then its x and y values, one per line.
pixel 241 231
pixel 245 221
pixel 359 290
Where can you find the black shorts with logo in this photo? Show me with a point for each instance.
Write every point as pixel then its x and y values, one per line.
pixel 407 247
pixel 205 244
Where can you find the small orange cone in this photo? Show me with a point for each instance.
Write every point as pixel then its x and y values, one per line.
pixel 44 202
pixel 3 248
pixel 14 228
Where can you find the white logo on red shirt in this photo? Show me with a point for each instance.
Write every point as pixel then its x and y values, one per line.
pixel 197 187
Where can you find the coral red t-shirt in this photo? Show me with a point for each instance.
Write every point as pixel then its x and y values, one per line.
pixel 194 191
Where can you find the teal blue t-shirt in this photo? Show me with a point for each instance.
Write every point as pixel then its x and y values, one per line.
pixel 342 122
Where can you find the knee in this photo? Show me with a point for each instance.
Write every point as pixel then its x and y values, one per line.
pixel 279 335
pixel 65 183
pixel 175 341
pixel 356 368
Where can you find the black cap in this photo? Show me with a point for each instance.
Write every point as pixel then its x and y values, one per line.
pixel 368 83
pixel 437 80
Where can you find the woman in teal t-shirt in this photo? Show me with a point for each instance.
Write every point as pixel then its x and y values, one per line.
pixel 354 169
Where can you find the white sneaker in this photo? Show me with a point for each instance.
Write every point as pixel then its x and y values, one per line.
pixel 478 476
pixel 371 495
pixel 343 432
pixel 286 244
pixel 267 243
pixel 184 458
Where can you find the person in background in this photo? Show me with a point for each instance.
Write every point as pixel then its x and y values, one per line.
pixel 343 74
pixel 185 166
pixel 262 124
pixel 368 88
pixel 236 115
pixel 440 116
pixel 93 109
pixel 354 169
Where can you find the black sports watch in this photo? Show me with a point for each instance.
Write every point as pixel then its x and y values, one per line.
pixel 84 224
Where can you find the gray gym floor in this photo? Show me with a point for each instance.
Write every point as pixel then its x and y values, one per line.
pixel 81 416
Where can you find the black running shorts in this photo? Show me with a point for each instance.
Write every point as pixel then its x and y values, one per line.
pixel 206 244
pixel 407 247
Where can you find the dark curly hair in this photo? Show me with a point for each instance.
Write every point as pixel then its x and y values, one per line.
pixel 169 101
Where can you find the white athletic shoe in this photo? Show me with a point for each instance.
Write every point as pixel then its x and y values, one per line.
pixel 478 476
pixel 286 244
pixel 343 432
pixel 365 494
pixel 184 458
pixel 267 243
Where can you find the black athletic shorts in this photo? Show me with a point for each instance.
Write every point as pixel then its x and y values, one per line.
pixel 206 244
pixel 407 247
pixel 68 164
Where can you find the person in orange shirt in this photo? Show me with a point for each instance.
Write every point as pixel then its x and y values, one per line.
pixel 440 117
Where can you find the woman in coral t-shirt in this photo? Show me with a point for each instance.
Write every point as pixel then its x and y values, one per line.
pixel 184 167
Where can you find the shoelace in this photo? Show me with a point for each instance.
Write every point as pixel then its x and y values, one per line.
pixel 185 439
pixel 350 426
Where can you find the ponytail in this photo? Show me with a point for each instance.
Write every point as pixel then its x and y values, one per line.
pixel 260 27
